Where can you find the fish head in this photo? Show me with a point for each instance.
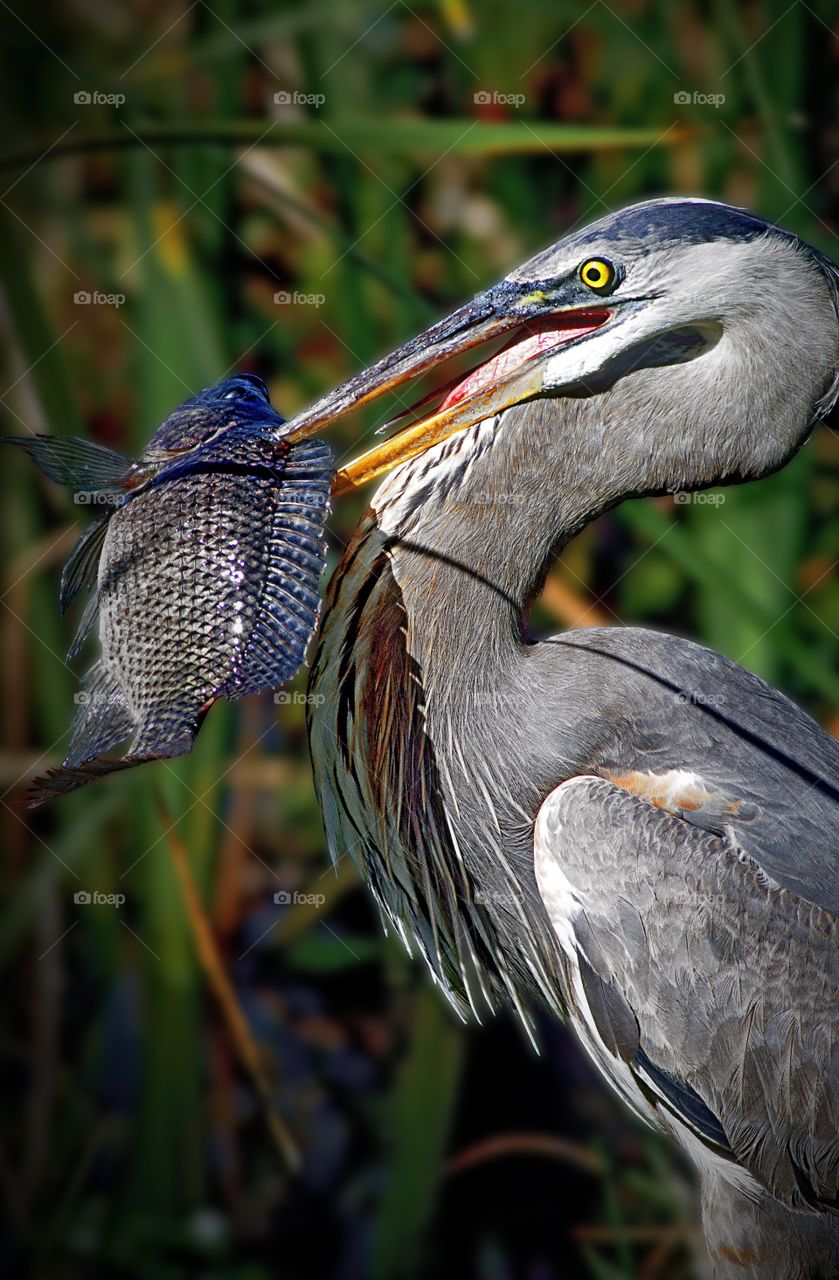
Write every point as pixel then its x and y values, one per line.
pixel 233 403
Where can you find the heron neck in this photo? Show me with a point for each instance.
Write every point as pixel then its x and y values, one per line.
pixel 474 525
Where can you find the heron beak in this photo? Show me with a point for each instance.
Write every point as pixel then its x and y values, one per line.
pixel 508 377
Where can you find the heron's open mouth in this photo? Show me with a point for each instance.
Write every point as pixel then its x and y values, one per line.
pixel 509 376
pixel 534 341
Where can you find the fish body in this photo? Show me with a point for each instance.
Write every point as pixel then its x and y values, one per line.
pixel 205 563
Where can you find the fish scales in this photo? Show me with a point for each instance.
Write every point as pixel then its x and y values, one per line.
pixel 207 566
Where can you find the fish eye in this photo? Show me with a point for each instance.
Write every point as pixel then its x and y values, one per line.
pixel 247 387
pixel 598 274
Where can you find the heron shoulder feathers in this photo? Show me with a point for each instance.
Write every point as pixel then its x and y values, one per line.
pixel 709 740
pixel 732 984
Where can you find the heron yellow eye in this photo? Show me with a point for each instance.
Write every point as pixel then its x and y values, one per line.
pixel 598 274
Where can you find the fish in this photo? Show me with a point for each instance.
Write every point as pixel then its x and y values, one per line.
pixel 204 562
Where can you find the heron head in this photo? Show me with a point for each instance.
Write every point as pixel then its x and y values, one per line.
pixel 747 313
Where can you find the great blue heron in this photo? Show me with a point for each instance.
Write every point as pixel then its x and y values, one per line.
pixel 624 823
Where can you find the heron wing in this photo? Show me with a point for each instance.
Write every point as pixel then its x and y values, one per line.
pixel 698 734
pixel 704 992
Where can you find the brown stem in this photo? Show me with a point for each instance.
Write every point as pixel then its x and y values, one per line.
pixel 222 988
pixel 524 1144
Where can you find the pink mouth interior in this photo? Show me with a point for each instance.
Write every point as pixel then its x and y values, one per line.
pixel 534 341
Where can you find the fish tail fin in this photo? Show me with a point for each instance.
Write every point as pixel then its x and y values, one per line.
pixel 102 720
pixel 82 464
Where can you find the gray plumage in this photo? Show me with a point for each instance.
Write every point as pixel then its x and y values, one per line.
pixel 681 899
pixel 730 983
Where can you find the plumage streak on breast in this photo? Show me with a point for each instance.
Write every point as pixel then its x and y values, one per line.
pixel 376 773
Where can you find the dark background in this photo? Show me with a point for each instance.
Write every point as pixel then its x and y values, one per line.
pixel 416 153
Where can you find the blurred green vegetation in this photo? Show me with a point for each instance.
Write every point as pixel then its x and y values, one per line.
pixel 293 192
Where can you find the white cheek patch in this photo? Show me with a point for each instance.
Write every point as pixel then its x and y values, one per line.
pixel 582 360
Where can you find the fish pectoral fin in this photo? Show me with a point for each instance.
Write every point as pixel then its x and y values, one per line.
pixel 81 569
pixel 81 464
pixel 91 613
